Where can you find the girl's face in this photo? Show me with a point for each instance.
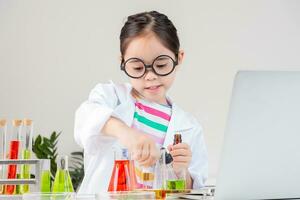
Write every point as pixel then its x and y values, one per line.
pixel 152 87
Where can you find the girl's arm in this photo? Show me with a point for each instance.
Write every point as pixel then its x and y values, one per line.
pixel 94 122
pixel 142 147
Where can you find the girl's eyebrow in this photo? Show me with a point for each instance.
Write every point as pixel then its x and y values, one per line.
pixel 134 61
pixel 161 58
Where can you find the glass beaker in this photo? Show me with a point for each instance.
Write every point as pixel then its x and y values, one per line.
pixel 45 176
pixel 62 181
pixel 3 129
pixel 14 146
pixel 123 174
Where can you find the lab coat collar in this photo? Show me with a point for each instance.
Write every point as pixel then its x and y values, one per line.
pixel 179 122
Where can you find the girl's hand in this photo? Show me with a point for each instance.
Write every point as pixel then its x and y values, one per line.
pixel 182 156
pixel 142 148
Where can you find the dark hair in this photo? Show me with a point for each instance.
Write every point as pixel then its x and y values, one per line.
pixel 147 22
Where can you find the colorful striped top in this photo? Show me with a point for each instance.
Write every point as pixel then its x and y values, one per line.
pixel 151 118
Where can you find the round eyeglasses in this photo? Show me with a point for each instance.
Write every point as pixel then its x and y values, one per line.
pixel 162 65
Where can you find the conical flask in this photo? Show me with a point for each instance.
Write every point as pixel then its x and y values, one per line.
pixel 62 181
pixel 123 174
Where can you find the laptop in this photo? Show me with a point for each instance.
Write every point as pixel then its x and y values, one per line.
pixel 260 158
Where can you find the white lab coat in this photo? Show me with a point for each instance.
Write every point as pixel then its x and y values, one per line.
pixel 112 99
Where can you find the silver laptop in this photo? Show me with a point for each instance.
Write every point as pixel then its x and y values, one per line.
pixel 261 150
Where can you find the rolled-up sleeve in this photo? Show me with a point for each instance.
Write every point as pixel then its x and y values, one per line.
pixel 92 115
pixel 199 164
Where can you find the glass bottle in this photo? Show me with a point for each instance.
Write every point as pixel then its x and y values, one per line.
pixel 26 143
pixel 62 181
pixel 3 129
pixel 45 176
pixel 14 146
pixel 123 174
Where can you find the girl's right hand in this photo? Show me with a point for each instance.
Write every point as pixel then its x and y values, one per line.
pixel 142 148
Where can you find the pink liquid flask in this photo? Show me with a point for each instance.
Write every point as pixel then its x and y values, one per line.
pixel 123 176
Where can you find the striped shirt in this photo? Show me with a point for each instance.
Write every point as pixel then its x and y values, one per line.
pixel 153 119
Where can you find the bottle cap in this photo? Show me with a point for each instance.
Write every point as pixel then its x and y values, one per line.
pixel 177 138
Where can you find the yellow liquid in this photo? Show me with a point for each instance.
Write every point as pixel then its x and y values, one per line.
pixel 160 194
pixel 62 181
pixel 1 177
pixel 45 181
pixel 2 189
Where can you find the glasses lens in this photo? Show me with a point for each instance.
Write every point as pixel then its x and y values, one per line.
pixel 134 68
pixel 163 65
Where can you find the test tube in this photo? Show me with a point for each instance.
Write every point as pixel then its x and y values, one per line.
pixel 3 129
pixel 26 142
pixel 14 145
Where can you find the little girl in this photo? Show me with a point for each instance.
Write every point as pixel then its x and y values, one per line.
pixel 140 116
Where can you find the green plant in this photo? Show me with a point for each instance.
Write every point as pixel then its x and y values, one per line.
pixel 45 148
pixel 76 168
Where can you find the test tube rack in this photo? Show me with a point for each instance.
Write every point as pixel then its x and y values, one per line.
pixel 35 181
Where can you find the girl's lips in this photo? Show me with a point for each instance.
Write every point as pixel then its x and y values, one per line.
pixel 153 88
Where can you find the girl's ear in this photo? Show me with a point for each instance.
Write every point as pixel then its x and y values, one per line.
pixel 120 58
pixel 180 56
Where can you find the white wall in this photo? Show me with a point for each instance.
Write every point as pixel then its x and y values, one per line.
pixel 53 52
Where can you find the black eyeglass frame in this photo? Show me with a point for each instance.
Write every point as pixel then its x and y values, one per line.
pixel 123 64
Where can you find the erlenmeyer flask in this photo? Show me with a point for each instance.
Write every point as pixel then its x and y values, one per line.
pixel 62 181
pixel 123 175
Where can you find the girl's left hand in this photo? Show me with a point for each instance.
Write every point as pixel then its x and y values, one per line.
pixel 182 156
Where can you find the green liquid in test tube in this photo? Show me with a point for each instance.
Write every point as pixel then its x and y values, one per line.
pixel 25 171
pixel 45 176
pixel 62 181
pixel 18 187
